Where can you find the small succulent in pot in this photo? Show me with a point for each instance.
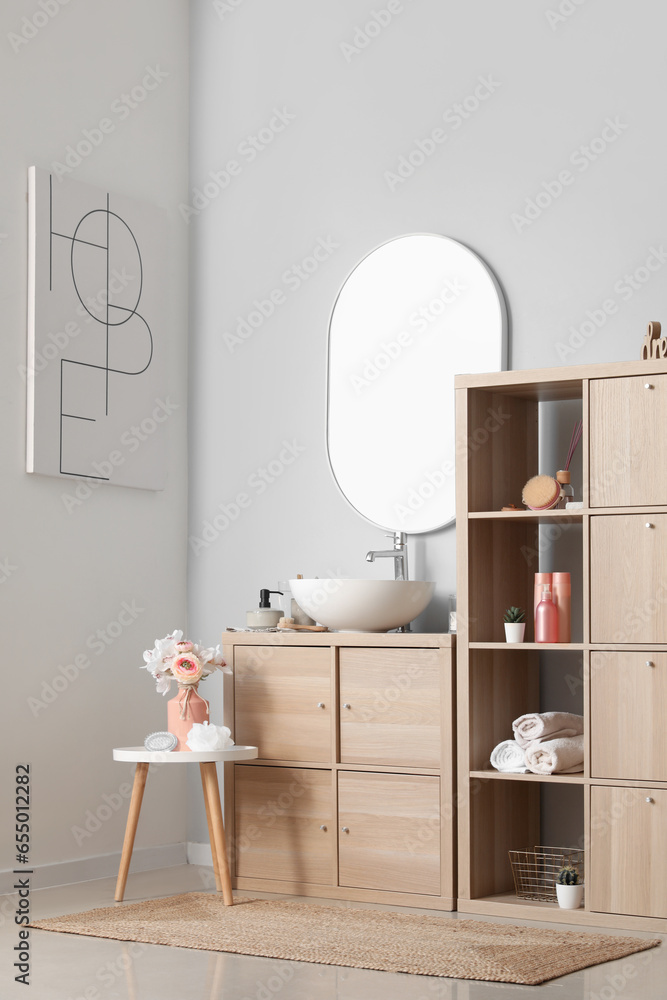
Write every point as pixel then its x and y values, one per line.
pixel 568 875
pixel 514 616
pixel 515 624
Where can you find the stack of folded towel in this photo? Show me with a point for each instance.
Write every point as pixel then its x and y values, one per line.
pixel 544 743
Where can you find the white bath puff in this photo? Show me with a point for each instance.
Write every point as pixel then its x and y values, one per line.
pixel 204 736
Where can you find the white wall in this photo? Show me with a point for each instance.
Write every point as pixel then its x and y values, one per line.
pixel 556 79
pixel 67 573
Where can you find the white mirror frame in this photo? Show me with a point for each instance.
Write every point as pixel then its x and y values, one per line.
pixel 413 313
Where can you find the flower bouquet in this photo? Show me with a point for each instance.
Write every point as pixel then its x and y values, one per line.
pixel 175 658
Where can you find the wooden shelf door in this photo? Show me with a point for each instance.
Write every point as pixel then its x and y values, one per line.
pixel 627 872
pixel 628 698
pixel 390 707
pixel 628 450
pixel 284 824
pixel 628 593
pixel 282 701
pixel 389 832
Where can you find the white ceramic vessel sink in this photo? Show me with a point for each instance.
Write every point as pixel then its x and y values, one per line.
pixel 362 605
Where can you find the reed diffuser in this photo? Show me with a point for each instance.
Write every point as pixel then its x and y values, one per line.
pixel 563 475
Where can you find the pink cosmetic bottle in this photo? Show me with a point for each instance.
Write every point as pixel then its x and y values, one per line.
pixel 540 580
pixel 546 618
pixel 561 598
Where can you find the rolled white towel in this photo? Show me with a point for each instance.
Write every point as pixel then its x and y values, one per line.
pixel 509 757
pixel 546 726
pixel 560 756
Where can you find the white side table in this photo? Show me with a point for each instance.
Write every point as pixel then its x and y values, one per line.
pixel 209 779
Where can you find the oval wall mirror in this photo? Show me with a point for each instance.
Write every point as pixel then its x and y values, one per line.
pixel 412 314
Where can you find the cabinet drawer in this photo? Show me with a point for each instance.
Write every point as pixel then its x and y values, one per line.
pixel 390 707
pixel 628 449
pixel 627 872
pixel 282 701
pixel 389 831
pixel 628 698
pixel 284 823
pixel 629 578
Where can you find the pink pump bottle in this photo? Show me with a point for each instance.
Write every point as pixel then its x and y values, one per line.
pixel 546 618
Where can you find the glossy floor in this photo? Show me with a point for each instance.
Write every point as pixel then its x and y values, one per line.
pixel 70 967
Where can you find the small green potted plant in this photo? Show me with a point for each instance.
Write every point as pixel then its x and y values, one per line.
pixel 515 624
pixel 569 887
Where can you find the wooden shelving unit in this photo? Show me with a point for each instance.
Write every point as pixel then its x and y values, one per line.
pixel 619 538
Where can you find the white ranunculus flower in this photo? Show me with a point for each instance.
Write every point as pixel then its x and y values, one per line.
pixel 204 736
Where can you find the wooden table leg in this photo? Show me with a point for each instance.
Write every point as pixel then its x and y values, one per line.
pixel 219 845
pixel 140 775
pixel 211 831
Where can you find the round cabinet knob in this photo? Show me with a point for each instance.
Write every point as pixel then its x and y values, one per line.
pixel 347 705
pixel 649 524
pixel 647 385
pixel 323 827
pixel 345 829
pixel 321 704
pixel 649 799
pixel 650 663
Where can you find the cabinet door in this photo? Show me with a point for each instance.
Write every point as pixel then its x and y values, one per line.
pixel 390 707
pixel 282 701
pixel 629 578
pixel 389 831
pixel 628 868
pixel 628 446
pixel 284 824
pixel 628 699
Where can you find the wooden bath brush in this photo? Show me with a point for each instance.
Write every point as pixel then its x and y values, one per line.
pixel 541 493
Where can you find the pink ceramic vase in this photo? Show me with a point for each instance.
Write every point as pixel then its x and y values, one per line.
pixel 183 711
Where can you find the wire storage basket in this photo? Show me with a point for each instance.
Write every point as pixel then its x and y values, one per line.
pixel 535 871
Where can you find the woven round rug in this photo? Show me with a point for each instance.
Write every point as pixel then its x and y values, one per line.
pixel 425 945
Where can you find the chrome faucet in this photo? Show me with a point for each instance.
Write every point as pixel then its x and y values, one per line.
pixel 399 554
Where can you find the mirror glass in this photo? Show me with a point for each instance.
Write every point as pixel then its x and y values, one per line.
pixel 412 314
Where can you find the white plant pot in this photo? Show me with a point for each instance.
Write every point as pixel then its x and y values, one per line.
pixel 514 631
pixel 570 897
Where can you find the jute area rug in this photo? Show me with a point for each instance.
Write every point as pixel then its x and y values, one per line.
pixel 363 939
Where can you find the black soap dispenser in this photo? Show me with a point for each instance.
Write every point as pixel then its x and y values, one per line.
pixel 265 616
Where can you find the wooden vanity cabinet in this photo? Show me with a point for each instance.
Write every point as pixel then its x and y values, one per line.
pixel 352 794
pixel 615 667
